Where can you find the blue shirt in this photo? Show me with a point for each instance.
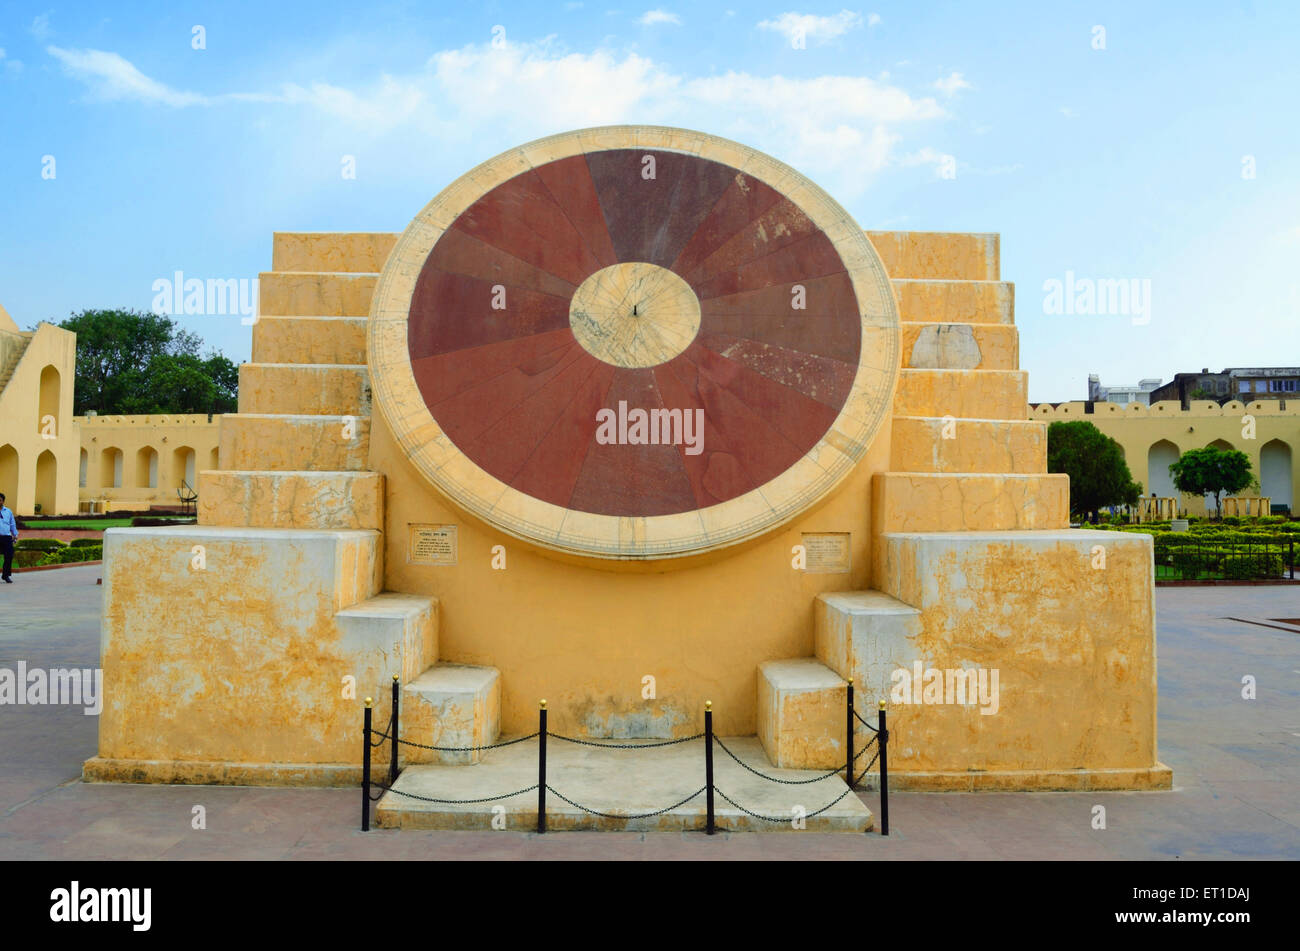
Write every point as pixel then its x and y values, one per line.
pixel 7 524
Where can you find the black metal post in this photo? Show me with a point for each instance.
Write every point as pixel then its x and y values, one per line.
pixel 883 737
pixel 1291 559
pixel 708 765
pixel 848 770
pixel 392 735
pixel 541 768
pixel 365 770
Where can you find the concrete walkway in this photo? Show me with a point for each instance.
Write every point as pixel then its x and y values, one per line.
pixel 1236 770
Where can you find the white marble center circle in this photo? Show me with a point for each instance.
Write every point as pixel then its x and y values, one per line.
pixel 634 315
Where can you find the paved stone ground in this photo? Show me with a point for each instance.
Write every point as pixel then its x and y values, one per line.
pixel 1236 770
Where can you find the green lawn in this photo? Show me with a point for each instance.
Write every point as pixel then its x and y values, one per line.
pixel 90 524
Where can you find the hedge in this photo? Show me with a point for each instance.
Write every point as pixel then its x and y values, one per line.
pixel 25 559
pixel 38 544
pixel 85 542
pixel 70 554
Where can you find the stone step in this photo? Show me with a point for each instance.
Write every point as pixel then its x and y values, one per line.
pixel 451 705
pixel 203 628
pixel 968 502
pixel 320 500
pixel 309 340
pixel 956 302
pixel 314 294
pixel 295 389
pixel 936 444
pixel 864 635
pixel 621 783
pixel 354 252
pixel 1038 648
pixel 907 254
pixel 968 394
pixel 935 346
pixel 392 624
pixel 801 714
pixel 938 255
pixel 262 441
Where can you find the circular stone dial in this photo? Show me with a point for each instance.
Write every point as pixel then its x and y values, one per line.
pixel 634 342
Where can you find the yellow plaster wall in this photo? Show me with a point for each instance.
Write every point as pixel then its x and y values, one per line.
pixel 164 434
pixel 583 636
pixel 24 437
pixel 1065 618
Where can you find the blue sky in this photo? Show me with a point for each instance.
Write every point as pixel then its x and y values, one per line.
pixel 1122 163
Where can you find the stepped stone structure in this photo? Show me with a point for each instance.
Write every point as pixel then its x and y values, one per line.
pixel 416 486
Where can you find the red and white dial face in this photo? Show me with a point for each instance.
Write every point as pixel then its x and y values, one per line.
pixel 635 351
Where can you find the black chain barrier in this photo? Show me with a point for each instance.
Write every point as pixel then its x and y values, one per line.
pixel 866 769
pixel 783 818
pixel 468 749
pixel 612 815
pixel 773 779
pixel 454 802
pixel 624 746
pixel 879 739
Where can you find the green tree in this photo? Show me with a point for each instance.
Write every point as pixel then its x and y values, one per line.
pixel 1099 476
pixel 138 362
pixel 1212 470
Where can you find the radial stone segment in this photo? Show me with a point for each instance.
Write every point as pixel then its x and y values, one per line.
pixel 634 342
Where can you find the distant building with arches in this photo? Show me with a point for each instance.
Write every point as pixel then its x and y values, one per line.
pixel 1152 437
pixel 139 462
pixel 63 463
pixel 39 440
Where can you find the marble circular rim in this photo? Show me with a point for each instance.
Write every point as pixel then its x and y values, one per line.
pixel 553 527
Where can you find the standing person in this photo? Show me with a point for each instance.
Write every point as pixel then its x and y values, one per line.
pixel 8 536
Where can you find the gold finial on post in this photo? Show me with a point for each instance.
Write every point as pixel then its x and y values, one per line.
pixel 542 704
pixel 850 681
pixel 369 701
pixel 708 704
pixel 882 704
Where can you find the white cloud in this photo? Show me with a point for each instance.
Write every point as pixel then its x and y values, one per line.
pixel 1069 113
pixel 873 19
pixel 480 100
pixel 40 27
pixel 925 156
pixel 110 77
pixel 651 17
pixel 952 84
pixel 807 26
